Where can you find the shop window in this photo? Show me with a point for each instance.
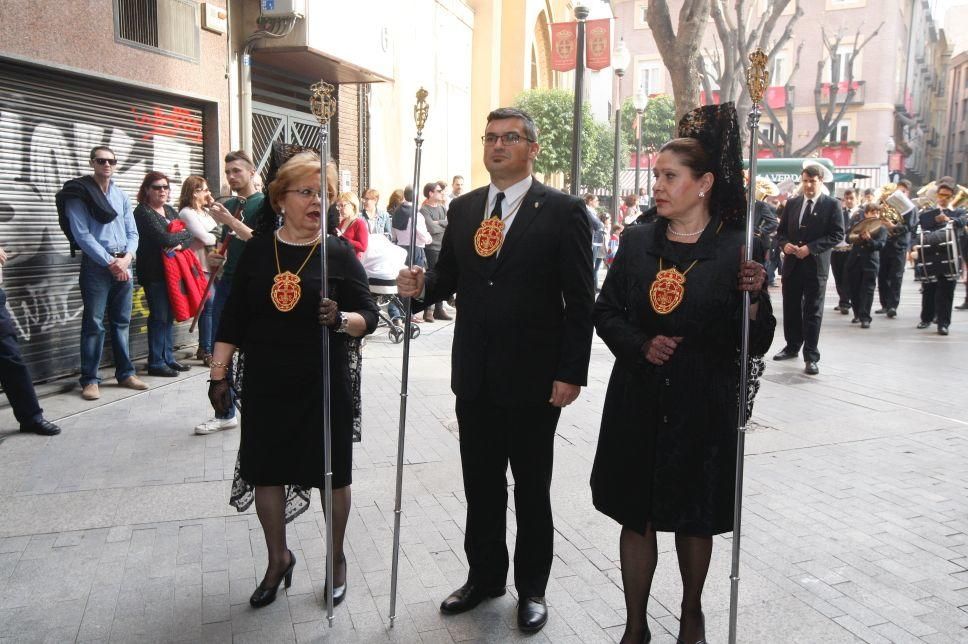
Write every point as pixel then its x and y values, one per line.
pixel 166 26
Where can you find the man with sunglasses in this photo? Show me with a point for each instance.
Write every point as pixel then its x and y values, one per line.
pixel 518 255
pixel 102 224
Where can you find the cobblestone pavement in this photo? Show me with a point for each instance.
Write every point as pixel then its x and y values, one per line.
pixel 855 516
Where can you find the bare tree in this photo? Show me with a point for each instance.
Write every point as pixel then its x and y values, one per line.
pixel 828 110
pixel 680 49
pixel 739 33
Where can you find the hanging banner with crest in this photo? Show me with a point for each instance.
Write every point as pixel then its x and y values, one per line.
pixel 598 43
pixel 564 46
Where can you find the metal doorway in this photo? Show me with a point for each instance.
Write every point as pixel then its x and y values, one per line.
pixel 271 123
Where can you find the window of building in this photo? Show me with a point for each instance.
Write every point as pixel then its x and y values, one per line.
pixel 651 77
pixel 166 26
pixel 779 70
pixel 840 133
pixel 768 132
pixel 640 21
pixel 839 64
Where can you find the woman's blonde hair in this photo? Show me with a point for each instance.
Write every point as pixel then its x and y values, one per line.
pixel 351 198
pixel 300 166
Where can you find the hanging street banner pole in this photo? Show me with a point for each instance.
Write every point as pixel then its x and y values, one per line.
pixel 756 82
pixel 420 111
pixel 323 105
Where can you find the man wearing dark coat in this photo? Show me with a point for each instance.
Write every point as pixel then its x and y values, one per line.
pixel 810 226
pixel 518 256
pixel 938 291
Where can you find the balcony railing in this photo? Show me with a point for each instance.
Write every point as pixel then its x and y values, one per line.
pixel 858 98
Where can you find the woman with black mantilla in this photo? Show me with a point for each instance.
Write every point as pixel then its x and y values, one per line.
pixel 274 315
pixel 670 310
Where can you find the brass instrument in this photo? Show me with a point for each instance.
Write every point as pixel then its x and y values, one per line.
pixel 869 225
pixel 890 199
pixel 928 199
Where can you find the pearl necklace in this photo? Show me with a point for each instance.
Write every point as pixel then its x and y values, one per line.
pixel 692 234
pixel 312 241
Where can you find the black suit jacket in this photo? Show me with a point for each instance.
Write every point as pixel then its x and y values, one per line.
pixel 524 316
pixel 822 230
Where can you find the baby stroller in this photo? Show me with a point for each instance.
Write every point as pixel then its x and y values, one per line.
pixel 382 261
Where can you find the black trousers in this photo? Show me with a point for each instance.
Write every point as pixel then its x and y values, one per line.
pixel 432 256
pixel 491 436
pixel 803 294
pixel 862 283
pixel 838 266
pixel 937 299
pixel 14 376
pixel 890 274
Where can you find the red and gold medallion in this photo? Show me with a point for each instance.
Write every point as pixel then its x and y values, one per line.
pixel 489 237
pixel 285 292
pixel 667 290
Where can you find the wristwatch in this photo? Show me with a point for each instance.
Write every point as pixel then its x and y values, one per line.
pixel 342 322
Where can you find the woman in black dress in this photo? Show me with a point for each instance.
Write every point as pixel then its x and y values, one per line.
pixel 670 310
pixel 273 316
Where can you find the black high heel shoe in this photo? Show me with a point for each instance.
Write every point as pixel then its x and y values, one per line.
pixel 339 592
pixel 702 640
pixel 264 596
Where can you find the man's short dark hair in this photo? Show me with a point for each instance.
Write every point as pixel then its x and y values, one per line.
pixel 906 184
pixel 430 187
pixel 408 194
pixel 102 148
pixel 868 192
pixel 944 186
pixel 502 113
pixel 849 192
pixel 456 177
pixel 813 171
pixel 589 197
pixel 240 155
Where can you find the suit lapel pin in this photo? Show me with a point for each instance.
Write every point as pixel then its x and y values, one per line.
pixel 537 204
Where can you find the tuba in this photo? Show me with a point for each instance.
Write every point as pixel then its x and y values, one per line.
pixel 893 203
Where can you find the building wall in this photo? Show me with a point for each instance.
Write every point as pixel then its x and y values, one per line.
pixel 956 132
pixel 880 65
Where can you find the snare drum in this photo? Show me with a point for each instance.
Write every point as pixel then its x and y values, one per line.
pixel 937 255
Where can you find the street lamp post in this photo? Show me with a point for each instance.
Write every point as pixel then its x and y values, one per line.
pixel 650 151
pixel 640 101
pixel 581 12
pixel 889 145
pixel 620 60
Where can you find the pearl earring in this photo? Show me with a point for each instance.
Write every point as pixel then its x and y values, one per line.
pixel 701 194
pixel 282 211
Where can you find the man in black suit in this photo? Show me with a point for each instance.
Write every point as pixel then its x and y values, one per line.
pixel 518 255
pixel 938 292
pixel 810 226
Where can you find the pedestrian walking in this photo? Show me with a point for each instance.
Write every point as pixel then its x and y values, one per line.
pixel 666 457
pixel 273 316
pixel 518 255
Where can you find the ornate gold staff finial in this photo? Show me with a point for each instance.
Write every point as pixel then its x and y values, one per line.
pixel 420 109
pixel 756 76
pixel 321 102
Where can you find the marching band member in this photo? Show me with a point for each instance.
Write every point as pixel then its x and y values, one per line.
pixel 891 271
pixel 838 256
pixel 937 296
pixel 862 264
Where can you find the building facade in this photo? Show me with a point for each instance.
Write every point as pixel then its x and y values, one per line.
pixel 894 77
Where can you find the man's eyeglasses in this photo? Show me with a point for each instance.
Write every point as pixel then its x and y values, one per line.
pixel 160 187
pixel 307 193
pixel 511 138
pixel 102 161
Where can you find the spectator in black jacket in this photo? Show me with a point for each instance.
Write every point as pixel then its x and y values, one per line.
pixel 152 217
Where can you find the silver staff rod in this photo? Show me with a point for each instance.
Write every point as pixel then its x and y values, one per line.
pixel 756 80
pixel 420 111
pixel 323 106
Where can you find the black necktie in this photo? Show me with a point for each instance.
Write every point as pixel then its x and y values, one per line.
pixel 806 213
pixel 496 212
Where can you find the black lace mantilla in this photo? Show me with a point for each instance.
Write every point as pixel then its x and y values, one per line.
pixel 717 129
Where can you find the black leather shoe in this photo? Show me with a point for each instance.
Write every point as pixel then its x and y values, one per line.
pixel 532 614
pixel 854 320
pixel 963 306
pixel 892 313
pixel 41 426
pixel 162 372
pixel 265 595
pixel 467 597
pixel 865 324
pixel 177 366
pixel 786 354
pixel 339 593
pixel 811 368
pixel 923 325
pixel 844 310
pixel 880 311
pixel 942 330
